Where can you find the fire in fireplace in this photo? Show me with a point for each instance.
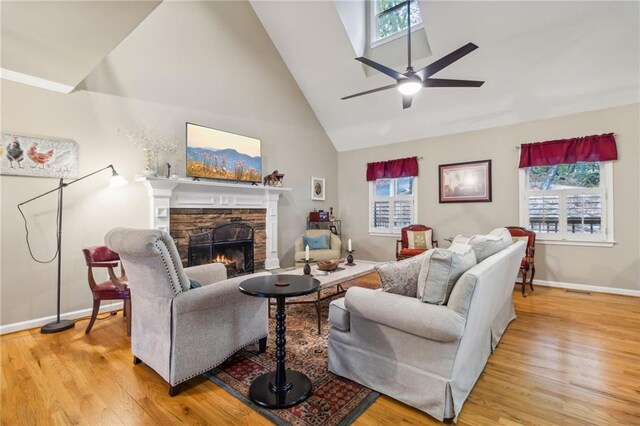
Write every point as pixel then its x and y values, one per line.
pixel 230 244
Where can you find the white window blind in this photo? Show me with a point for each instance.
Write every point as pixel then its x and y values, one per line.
pixel 392 205
pixel 568 202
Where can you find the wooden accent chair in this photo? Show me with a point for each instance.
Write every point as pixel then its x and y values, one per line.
pixel 402 245
pixel 115 288
pixel 527 263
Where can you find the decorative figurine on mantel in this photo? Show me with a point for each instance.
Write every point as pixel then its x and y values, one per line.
pixel 331 216
pixel 274 179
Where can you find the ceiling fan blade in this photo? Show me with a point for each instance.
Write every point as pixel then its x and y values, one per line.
pixel 445 82
pixel 379 89
pixel 406 101
pixel 445 61
pixel 384 70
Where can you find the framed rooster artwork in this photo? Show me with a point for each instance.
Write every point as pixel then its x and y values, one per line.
pixel 38 157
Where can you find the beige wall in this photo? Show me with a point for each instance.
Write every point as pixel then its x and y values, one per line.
pixel 610 267
pixel 271 107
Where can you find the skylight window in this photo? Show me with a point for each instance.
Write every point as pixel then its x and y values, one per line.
pixel 389 18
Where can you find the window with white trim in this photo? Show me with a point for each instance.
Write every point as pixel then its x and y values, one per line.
pixel 392 205
pixel 568 202
pixel 385 24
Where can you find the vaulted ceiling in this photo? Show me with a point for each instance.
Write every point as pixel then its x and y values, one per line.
pixel 62 41
pixel 539 60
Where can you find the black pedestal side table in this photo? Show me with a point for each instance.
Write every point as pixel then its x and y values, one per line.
pixel 282 388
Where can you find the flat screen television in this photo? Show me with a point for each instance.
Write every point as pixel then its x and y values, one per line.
pixel 215 154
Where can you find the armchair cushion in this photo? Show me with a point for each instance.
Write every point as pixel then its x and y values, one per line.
pixel 321 242
pixel 401 277
pixel 407 314
pixel 440 270
pixel 420 239
pixel 411 252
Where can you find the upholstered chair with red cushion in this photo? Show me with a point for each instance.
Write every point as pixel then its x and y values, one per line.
pixel 415 239
pixel 527 264
pixel 115 288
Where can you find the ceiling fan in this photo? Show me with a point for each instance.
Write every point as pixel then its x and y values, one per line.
pixel 410 82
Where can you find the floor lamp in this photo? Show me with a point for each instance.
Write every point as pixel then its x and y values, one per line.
pixel 116 181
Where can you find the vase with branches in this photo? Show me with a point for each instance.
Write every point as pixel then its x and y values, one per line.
pixel 151 145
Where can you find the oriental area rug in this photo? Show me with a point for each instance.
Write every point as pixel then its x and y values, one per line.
pixel 334 400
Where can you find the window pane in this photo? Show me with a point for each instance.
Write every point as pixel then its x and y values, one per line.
pixel 381 214
pixel 564 176
pixel 544 213
pixel 402 212
pixel 404 186
pixel 383 188
pixel 396 21
pixel 584 214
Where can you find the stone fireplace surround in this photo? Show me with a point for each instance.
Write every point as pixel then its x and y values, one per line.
pixel 174 202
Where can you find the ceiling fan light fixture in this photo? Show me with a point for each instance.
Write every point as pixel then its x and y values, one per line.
pixel 409 86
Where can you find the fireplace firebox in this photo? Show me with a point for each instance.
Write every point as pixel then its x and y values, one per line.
pixel 230 244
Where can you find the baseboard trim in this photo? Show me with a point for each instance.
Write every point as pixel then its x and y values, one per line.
pixel 586 287
pixel 39 322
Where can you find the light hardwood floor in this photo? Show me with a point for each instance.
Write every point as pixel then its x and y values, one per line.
pixel 567 359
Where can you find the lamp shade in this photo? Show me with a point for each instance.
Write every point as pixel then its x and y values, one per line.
pixel 117 181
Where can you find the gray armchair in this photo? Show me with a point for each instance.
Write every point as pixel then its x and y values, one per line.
pixel 177 331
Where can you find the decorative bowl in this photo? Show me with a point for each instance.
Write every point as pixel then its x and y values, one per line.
pixel 328 265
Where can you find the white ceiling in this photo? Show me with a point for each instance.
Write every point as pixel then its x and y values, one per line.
pixel 539 60
pixel 62 41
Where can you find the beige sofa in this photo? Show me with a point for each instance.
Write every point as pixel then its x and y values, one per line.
pixel 179 331
pixel 334 251
pixel 427 356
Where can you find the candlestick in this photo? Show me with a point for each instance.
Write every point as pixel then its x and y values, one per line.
pixel 350 244
pixel 306 269
pixel 350 258
pixel 306 253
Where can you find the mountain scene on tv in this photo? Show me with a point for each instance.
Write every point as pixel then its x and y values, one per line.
pixel 227 164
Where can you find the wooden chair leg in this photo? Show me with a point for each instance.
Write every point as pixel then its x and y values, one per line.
pixel 262 345
pixel 94 315
pixel 524 282
pixel 533 273
pixel 127 311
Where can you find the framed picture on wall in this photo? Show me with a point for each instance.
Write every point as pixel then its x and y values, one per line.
pixel 468 182
pixel 317 189
pixel 38 157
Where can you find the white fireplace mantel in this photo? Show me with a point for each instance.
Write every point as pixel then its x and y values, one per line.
pixel 165 194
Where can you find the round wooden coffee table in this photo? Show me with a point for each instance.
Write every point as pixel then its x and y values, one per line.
pixel 282 388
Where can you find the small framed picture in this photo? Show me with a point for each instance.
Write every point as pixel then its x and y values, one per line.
pixel 465 182
pixel 333 229
pixel 317 189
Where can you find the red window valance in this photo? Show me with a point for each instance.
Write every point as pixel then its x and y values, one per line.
pixel 402 167
pixel 569 151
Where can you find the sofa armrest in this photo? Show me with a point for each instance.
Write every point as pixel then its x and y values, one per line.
pixel 207 274
pixel 408 314
pixel 297 245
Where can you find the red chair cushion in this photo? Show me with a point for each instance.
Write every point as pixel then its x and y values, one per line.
pixel 410 252
pixel 108 291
